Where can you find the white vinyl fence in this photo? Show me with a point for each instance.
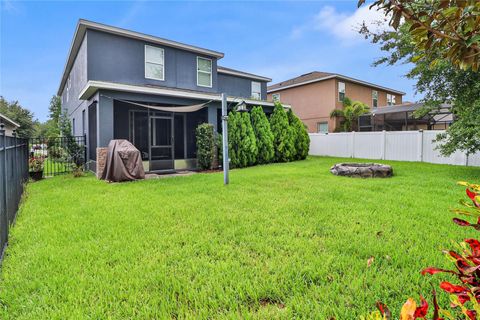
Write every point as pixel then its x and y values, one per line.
pixel 387 145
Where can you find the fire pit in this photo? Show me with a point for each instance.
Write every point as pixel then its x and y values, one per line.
pixel 362 170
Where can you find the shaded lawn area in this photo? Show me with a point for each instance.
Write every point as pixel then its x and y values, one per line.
pixel 282 241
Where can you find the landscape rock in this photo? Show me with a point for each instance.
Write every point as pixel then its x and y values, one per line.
pixel 362 170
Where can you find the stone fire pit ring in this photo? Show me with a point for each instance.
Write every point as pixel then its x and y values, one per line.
pixel 362 170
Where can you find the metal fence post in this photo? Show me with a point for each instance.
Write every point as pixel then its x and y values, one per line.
pixel 4 174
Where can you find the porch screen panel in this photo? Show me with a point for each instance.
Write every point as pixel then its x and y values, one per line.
pixel 193 120
pixel 92 131
pixel 179 136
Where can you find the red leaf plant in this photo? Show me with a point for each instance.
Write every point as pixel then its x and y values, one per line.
pixel 465 294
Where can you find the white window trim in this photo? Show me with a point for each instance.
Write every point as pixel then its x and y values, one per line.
pixel 344 90
pixel 162 64
pixel 318 126
pixel 211 72
pixel 259 92
pixel 391 101
pixel 373 98
pixel 276 95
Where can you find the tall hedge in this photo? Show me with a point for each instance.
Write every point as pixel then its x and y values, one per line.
pixel 205 135
pixel 302 139
pixel 242 143
pixel 263 135
pixel 283 139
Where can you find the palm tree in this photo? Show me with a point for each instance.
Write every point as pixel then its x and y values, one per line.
pixel 350 113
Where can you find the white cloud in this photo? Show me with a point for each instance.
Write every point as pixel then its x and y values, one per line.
pixel 343 26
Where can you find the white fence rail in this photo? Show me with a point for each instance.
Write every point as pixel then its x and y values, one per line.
pixel 387 145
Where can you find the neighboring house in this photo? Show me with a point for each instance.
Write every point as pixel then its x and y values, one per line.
pixel 121 84
pixel 314 95
pixel 8 125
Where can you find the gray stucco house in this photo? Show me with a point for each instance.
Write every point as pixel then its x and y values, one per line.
pixel 115 78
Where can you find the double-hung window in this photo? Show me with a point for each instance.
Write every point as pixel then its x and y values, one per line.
pixel 322 127
pixel 154 63
pixel 374 98
pixel 390 99
pixel 256 90
pixel 341 91
pixel 204 72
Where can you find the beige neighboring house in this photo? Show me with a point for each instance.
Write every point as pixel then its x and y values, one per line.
pixel 9 124
pixel 314 95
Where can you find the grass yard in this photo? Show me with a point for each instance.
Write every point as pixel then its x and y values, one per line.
pixel 281 241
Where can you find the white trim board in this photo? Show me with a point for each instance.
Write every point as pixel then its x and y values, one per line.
pixel 93 86
pixel 242 74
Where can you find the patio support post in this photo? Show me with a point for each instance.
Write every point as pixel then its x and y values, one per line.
pixel 225 139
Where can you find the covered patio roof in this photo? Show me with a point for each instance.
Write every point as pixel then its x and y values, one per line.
pixel 401 117
pixel 93 86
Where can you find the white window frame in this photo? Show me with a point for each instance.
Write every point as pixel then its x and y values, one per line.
pixel 340 91
pixel 154 62
pixel 390 99
pixel 374 98
pixel 259 92
pixel 205 72
pixel 318 126
pixel 276 97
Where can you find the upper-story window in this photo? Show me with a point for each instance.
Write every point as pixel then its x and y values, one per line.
pixel 256 90
pixel 204 72
pixel 341 91
pixel 276 97
pixel 154 63
pixel 374 98
pixel 390 99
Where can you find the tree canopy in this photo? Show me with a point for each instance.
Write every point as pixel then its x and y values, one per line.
pixel 20 115
pixel 441 29
pixel 440 77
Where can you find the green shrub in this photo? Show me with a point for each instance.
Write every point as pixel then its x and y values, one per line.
pixel 302 139
pixel 283 140
pixel 263 135
pixel 205 136
pixel 241 140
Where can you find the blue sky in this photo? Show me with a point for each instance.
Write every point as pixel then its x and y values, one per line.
pixel 277 39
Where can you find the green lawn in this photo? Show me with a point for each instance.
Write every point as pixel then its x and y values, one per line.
pixel 281 241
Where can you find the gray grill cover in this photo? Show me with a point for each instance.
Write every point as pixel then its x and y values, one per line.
pixel 124 162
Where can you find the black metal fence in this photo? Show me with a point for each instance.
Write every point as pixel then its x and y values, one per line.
pixel 13 175
pixel 59 154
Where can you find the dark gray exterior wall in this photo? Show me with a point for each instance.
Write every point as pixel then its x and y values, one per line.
pixel 119 59
pixel 238 86
pixel 78 79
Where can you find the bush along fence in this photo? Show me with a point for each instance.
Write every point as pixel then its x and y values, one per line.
pixel 56 155
pixel 13 176
pixel 387 145
pixel 254 139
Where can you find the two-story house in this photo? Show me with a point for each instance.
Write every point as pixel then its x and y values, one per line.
pixel 121 84
pixel 313 96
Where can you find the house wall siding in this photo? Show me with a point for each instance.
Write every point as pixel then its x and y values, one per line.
pixel 239 87
pixel 363 93
pixel 312 103
pixel 119 59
